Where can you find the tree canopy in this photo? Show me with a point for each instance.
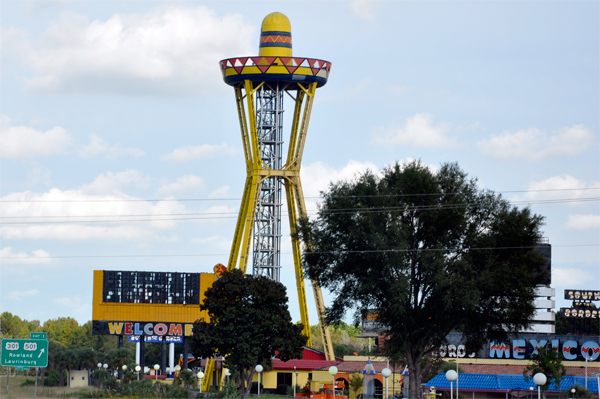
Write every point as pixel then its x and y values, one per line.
pixel 549 362
pixel 429 252
pixel 249 322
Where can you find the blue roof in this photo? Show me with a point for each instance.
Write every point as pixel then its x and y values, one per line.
pixel 507 382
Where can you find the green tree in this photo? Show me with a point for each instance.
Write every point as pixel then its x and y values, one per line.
pixel 249 321
pixel 431 253
pixel 548 362
pixel 355 382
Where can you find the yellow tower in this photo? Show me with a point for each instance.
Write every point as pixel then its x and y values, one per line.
pixel 260 85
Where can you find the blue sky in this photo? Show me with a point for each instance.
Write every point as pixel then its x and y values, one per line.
pixel 117 108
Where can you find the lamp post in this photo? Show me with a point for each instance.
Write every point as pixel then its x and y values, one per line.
pixel 539 379
pixel 200 376
pixel 156 367
pixel 137 370
pixel 386 373
pixel 99 366
pixel 124 368
pixel 177 370
pixel 259 370
pixel 295 380
pixel 573 393
pixel 333 371
pixel 530 392
pixel 451 375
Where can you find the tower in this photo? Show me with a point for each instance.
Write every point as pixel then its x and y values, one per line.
pixel 261 83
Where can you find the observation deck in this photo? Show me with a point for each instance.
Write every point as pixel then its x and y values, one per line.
pixel 290 70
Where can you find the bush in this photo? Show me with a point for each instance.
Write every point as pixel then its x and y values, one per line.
pixel 229 390
pixel 141 389
pixel 27 382
pixel 100 375
pixel 282 389
pixel 94 394
pixel 53 379
pixel 254 388
pixel 110 383
pixel 290 391
pixel 187 377
pixel 169 391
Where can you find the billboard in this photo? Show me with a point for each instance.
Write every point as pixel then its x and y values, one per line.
pixel 148 303
pixel 582 307
pixel 573 348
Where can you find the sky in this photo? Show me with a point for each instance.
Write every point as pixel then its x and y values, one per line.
pixel 120 145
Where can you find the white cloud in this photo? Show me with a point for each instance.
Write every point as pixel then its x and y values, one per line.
pixel 220 192
pixel 363 9
pixel 26 142
pixel 560 187
pixel 536 144
pixel 418 131
pixel 216 242
pixel 317 176
pixel 74 304
pixel 19 295
pixel 7 256
pixel 199 152
pixel 182 184
pixel 583 222
pixel 172 50
pixel 39 175
pixel 98 211
pixel 570 277
pixel 98 146
pixel 113 182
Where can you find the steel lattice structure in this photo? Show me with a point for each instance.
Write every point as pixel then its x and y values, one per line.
pixel 267 229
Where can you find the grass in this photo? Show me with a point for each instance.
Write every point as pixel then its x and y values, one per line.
pixel 16 391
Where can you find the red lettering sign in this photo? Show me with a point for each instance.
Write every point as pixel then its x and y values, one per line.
pixel 175 329
pixel 128 328
pixel 160 329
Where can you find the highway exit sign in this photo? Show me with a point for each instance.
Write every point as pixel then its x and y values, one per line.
pixel 37 335
pixel 24 352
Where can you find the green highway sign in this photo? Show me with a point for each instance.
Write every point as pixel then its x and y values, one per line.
pixel 24 352
pixel 37 335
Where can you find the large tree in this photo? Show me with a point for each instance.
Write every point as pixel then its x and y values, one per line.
pixel 430 253
pixel 249 321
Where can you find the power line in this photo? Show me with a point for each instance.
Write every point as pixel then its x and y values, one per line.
pixel 317 197
pixel 290 253
pixel 233 215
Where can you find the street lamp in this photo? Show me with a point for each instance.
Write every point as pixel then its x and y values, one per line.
pixel 259 370
pixel 386 373
pixel 137 370
pixel 451 376
pixel 573 393
pixel 200 376
pixel 530 392
pixel 539 379
pixel 177 370
pixel 295 380
pixel 156 367
pixel 333 371
pixel 99 365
